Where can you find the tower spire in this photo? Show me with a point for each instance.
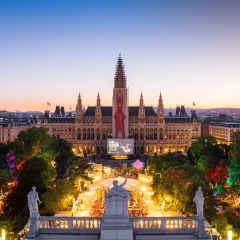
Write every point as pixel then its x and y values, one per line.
pixel 79 99
pixel 141 110
pixel 98 111
pixel 98 100
pixel 79 107
pixel 120 77
pixel 160 110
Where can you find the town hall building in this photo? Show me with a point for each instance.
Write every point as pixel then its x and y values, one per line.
pixel 153 132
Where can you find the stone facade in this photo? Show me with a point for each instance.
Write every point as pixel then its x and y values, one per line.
pixel 153 132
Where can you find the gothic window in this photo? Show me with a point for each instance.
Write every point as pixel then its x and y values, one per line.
pixel 161 134
pixel 155 134
pixel 151 134
pixel 98 150
pixel 84 134
pixel 142 150
pixel 98 134
pixel 136 136
pixel 141 134
pixel 92 134
pixel 78 134
pixel 147 134
pixel 88 134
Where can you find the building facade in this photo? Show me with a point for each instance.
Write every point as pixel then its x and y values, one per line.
pixel 153 132
pixel 222 131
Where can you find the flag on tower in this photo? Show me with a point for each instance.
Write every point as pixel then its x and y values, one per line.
pixel 49 104
pixel 193 103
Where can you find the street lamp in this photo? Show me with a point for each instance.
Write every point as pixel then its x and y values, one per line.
pixel 229 235
pixel 3 234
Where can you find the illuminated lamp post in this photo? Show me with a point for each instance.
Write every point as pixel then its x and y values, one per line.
pixel 3 234
pixel 230 235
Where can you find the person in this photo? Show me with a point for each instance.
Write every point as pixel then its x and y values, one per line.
pixel 33 202
pixel 126 148
pixel 118 190
pixel 199 200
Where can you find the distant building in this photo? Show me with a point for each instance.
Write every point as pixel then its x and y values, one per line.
pixel 206 120
pixel 10 126
pixel 222 131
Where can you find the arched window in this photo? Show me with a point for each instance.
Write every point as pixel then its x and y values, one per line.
pixel 84 134
pixel 92 134
pixel 98 134
pixel 88 134
pixel 78 134
pixel 161 134
pixel 141 134
pixel 136 136
pixel 147 134
pixel 151 134
pixel 98 150
pixel 155 134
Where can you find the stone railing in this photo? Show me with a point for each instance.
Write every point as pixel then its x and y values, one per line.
pixel 141 226
pixel 164 225
pixel 80 225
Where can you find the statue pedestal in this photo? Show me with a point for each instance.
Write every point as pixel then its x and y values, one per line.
pixel 116 223
pixel 201 233
pixel 33 229
pixel 116 227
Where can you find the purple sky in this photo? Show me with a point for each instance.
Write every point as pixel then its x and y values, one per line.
pixel 52 50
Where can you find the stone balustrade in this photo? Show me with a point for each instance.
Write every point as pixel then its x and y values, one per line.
pixel 164 225
pixel 81 225
pixel 91 226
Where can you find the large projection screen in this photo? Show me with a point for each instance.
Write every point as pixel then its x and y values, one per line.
pixel 120 146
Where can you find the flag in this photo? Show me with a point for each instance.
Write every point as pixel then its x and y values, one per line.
pixel 193 104
pixel 49 104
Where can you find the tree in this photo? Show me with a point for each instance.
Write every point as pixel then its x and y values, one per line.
pixel 234 175
pixel 235 147
pixel 5 166
pixel 234 168
pixel 64 157
pixel 79 168
pixel 177 187
pixel 220 222
pixel 58 197
pixel 219 174
pixel 36 172
pixel 205 145
pixel 157 165
pixel 33 142
pixel 5 176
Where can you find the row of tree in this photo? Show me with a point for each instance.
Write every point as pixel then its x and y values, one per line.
pixel 37 159
pixel 215 167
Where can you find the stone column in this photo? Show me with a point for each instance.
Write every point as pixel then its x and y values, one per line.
pixel 116 223
pixel 200 229
pixel 33 229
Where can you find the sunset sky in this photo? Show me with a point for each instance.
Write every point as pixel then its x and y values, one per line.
pixel 50 50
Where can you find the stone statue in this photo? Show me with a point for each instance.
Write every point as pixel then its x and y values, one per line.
pixel 118 190
pixel 199 200
pixel 33 202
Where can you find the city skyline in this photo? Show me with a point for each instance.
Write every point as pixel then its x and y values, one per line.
pixel 51 51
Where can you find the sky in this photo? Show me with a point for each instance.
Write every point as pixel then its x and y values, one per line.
pixel 50 50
